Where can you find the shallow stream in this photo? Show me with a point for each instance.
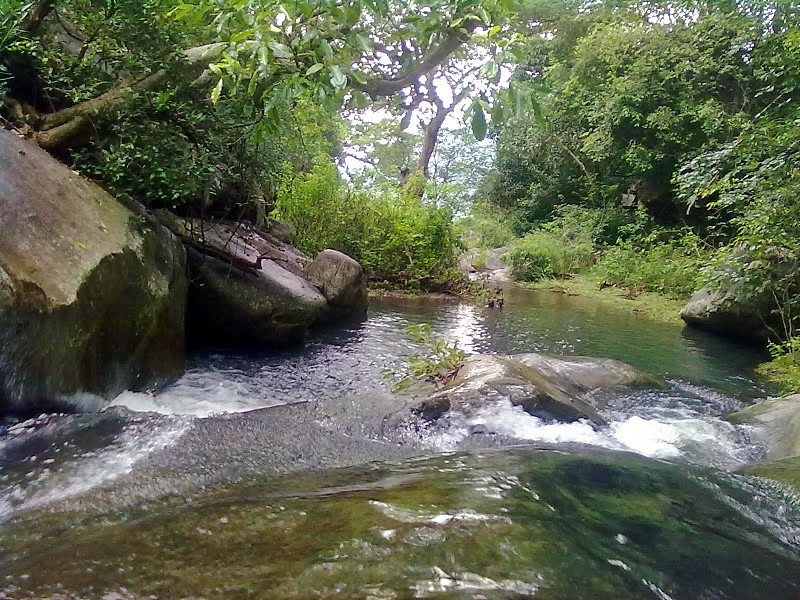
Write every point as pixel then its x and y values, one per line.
pixel 296 474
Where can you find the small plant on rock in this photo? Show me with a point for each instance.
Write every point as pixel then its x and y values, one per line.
pixel 439 363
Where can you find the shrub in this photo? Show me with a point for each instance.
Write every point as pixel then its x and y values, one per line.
pixel 559 248
pixel 546 253
pixel 394 235
pixel 486 227
pixel 672 268
pixel 784 368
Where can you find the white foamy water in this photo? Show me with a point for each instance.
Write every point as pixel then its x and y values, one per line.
pixel 202 393
pixel 188 401
pixel 51 482
pixel 676 433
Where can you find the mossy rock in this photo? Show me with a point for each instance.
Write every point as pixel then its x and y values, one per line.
pixel 92 293
pixel 785 470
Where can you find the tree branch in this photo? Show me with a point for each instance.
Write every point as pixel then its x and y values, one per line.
pixel 386 87
pixel 58 129
pixel 36 14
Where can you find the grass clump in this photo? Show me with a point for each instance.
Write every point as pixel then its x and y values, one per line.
pixel 784 368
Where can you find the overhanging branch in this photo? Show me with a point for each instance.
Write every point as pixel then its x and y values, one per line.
pixel 387 87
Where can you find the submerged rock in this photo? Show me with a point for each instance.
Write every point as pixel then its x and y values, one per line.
pixel 544 386
pixel 92 293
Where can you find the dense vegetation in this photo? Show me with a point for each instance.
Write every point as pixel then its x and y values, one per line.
pixel 650 143
pixel 238 108
pixel 663 154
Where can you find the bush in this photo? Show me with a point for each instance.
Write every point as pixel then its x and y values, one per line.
pixel 672 268
pixel 559 248
pixel 784 368
pixel 546 253
pixel 394 235
pixel 486 227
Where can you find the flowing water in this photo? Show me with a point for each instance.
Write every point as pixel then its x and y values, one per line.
pixel 298 474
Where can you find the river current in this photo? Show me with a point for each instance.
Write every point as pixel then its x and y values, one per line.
pixel 295 474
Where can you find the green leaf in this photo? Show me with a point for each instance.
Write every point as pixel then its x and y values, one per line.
pixel 315 69
pixel 216 92
pixel 363 42
pixel 338 78
pixel 280 50
pixel 359 76
pixel 478 122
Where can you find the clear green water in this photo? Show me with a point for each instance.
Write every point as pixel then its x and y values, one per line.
pixel 250 505
pixel 501 524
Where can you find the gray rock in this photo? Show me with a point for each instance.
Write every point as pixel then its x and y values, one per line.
pixel 722 312
pixel 585 374
pixel 546 387
pixel 265 307
pixel 247 287
pixel 560 388
pixel 341 280
pixel 725 308
pixel 776 424
pixel 280 230
pixel 92 293
pixel 250 287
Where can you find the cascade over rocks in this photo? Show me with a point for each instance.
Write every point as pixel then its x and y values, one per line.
pixel 92 293
pixel 249 287
pixel 559 388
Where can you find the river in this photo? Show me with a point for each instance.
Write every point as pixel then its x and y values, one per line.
pixel 295 474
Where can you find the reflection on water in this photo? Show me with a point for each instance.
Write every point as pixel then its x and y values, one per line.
pixel 349 359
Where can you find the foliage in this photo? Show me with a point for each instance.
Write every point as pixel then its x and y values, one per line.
pixel 439 362
pixel 394 234
pixel 546 253
pixel 479 262
pixel 486 227
pixel 784 368
pixel 12 40
pixel 673 268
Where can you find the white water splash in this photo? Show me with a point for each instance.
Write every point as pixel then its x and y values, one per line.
pixel 51 483
pixel 201 394
pixel 679 434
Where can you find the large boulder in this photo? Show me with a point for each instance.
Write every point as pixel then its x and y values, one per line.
pixel 775 424
pixel 547 387
pixel 731 309
pixel 341 280
pixel 231 307
pixel 247 287
pixel 92 293
pixel 725 311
